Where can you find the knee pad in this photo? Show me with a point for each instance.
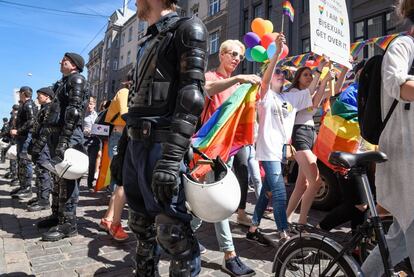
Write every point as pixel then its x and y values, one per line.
pixel 141 225
pixel 175 237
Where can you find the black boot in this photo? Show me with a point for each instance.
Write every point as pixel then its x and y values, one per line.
pixel 65 230
pixel 23 193
pixel 39 206
pixel 14 182
pixel 8 175
pixel 49 221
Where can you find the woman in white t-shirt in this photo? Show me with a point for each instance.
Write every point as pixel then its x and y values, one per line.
pixel 277 111
pixel 303 138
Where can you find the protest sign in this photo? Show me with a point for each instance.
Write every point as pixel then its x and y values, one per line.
pixel 330 30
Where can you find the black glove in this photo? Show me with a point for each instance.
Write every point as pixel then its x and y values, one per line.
pixel 165 180
pixel 118 160
pixel 60 150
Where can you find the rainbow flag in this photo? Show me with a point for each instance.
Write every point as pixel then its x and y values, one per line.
pixel 230 127
pixel 300 60
pixel 356 47
pixel 384 41
pixel 287 9
pixel 339 130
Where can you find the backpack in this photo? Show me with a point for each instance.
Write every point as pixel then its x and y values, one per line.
pixel 369 100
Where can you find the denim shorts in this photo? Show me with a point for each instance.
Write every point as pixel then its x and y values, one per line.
pixel 303 137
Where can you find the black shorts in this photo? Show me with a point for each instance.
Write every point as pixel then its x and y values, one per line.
pixel 303 137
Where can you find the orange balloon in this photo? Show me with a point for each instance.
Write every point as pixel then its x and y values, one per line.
pixel 259 26
pixel 268 39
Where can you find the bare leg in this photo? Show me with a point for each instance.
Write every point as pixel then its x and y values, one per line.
pixel 307 163
pixel 109 215
pixel 118 204
pixel 297 194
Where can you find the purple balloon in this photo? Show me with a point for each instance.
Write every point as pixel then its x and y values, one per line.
pixel 251 39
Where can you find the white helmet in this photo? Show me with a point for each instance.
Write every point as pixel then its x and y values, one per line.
pixel 12 152
pixel 75 164
pixel 215 201
pixel 3 144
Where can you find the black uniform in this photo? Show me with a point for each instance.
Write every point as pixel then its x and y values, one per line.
pixel 24 124
pixel 4 136
pixel 12 174
pixel 163 108
pixel 62 129
pixel 43 177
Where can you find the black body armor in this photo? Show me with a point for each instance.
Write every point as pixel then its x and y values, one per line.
pixel 65 112
pixel 26 117
pixel 40 120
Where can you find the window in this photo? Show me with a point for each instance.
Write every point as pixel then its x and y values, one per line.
pixel 116 42
pixel 214 7
pixel 258 11
pixel 305 6
pixel 390 23
pixel 130 33
pixel 115 64
pixel 121 62
pixel 194 11
pixel 214 42
pixel 141 26
pixel 108 42
pixel 246 23
pixel 128 61
pixel 122 39
pixel 269 11
pixel 305 45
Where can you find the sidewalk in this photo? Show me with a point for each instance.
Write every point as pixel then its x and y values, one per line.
pixel 93 252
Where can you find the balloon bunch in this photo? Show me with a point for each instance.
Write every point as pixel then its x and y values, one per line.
pixel 260 43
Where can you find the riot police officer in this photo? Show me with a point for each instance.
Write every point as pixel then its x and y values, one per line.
pixel 12 174
pixel 22 132
pixel 62 129
pixel 163 108
pixel 43 178
pixel 4 132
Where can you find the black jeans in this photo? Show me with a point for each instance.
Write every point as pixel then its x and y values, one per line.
pixel 92 145
pixel 241 170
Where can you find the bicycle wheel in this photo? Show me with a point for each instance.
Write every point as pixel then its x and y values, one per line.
pixel 310 255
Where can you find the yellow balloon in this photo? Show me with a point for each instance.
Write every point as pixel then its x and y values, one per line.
pixel 268 26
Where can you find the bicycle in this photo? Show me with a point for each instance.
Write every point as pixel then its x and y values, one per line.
pixel 314 252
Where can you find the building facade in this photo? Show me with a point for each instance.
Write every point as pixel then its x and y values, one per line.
pixel 94 70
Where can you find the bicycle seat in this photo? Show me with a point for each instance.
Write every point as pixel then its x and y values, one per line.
pixel 348 160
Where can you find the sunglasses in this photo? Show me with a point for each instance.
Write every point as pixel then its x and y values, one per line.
pixel 279 71
pixel 236 54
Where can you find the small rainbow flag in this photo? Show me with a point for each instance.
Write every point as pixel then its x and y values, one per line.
pixel 288 10
pixel 384 41
pixel 300 60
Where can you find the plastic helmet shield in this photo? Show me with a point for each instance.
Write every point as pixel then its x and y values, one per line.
pixel 214 201
pixel 3 144
pixel 12 152
pixel 74 165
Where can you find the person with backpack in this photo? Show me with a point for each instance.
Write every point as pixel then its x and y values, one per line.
pixel 394 178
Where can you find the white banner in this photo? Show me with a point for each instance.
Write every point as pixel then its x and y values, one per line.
pixel 330 30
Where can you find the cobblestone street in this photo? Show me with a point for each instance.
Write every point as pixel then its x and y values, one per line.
pixel 95 253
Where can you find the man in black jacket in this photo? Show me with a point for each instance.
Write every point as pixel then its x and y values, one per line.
pixel 43 178
pixel 24 124
pixel 62 129
pixel 12 174
pixel 163 109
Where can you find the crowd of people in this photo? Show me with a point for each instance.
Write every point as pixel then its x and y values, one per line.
pixel 155 114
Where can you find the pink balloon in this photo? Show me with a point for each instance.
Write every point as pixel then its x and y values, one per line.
pixel 285 52
pixel 251 39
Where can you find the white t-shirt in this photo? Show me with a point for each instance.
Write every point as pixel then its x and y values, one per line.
pixel 304 116
pixel 270 139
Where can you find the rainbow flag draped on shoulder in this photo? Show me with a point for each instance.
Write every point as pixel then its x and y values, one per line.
pixel 339 130
pixel 230 127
